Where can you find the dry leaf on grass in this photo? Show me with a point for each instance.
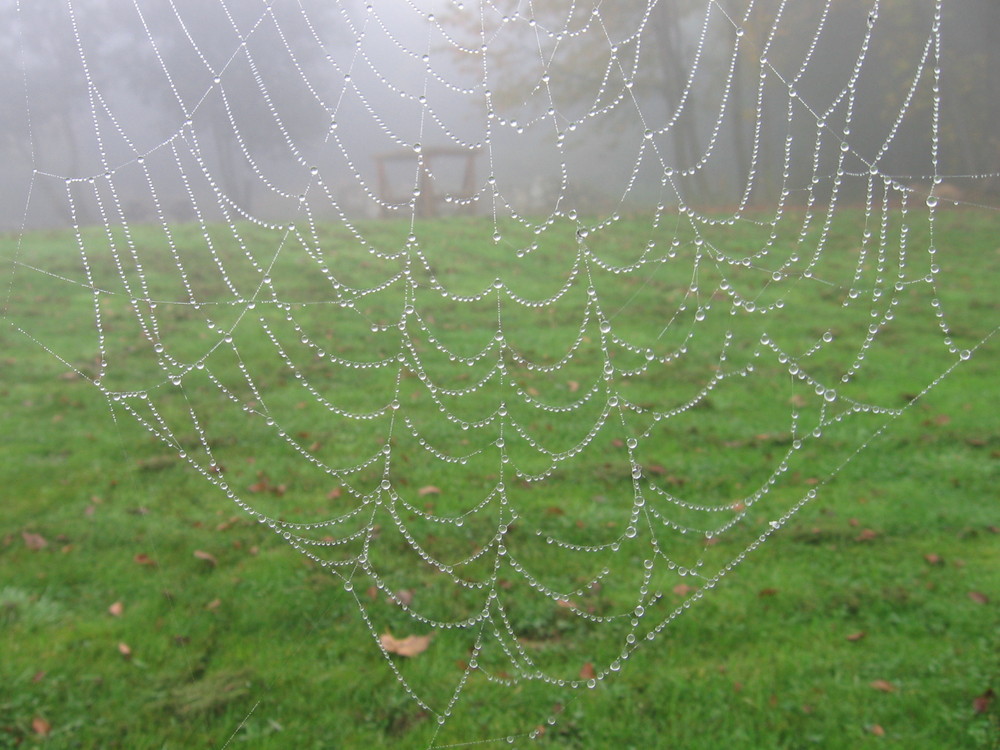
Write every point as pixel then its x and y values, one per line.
pixel 884 685
pixel 125 650
pixel 206 556
pixel 877 730
pixel 116 609
pixel 40 726
pixel 34 541
pixel 144 559
pixel 409 646
pixel 587 672
pixel 978 597
pixel 430 489
pixel 981 703
pixel 856 636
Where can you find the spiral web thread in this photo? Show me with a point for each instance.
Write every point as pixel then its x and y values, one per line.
pixel 362 321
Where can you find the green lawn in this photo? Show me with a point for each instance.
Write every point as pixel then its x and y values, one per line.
pixel 141 608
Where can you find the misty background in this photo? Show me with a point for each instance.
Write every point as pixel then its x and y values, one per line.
pixel 186 110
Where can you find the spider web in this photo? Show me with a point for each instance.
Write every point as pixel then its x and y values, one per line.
pixel 514 317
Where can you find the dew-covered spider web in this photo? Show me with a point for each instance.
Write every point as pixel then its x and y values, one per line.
pixel 518 318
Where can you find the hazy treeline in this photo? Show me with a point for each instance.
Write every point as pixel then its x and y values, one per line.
pixel 234 105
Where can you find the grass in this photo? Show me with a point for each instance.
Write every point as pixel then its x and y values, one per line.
pixel 252 644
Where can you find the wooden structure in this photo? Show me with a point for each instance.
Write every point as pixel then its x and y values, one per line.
pixel 429 201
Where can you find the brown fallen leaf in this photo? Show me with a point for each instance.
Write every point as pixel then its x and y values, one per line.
pixel 856 636
pixel 40 726
pixel 408 647
pixel 981 703
pixel 334 493
pixel 38 676
pixel 125 650
pixel 143 559
pixel 116 609
pixel 565 604
pixel 979 597
pixel 933 559
pixel 206 556
pixel 214 604
pixel 405 596
pixel 883 685
pixel 34 541
pixel 877 730
pixel 429 489
pixel 587 672
pixel 866 535
pixel 573 386
pixel 853 522
pixel 767 592
pixel 682 589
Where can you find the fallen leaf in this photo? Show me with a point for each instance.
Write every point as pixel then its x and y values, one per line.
pixel 797 400
pixel 125 650
pixel 978 597
pixel 408 647
pixel 618 443
pixel 40 726
pixel 116 609
pixel 144 559
pixel 884 685
pixel 555 510
pixel 333 494
pixel 656 469
pixel 34 541
pixel 573 386
pixel 767 592
pixel 38 676
pixel 877 730
pixel 206 556
pixel 866 535
pixel 682 589
pixel 430 489
pixel 587 672
pixel 565 604
pixel 981 703
pixel 933 559
pixel 856 636
pixel 853 522
pixel 214 604
pixel 405 596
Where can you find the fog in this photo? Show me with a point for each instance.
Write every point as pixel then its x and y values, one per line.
pixel 184 110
